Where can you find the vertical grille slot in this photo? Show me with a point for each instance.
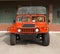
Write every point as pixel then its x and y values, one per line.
pixel 26 30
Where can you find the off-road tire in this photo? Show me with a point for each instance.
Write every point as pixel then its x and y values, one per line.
pixel 12 39
pixel 45 39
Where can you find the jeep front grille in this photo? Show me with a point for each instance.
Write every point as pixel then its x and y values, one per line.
pixel 28 30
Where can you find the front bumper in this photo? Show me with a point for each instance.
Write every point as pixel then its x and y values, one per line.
pixel 28 36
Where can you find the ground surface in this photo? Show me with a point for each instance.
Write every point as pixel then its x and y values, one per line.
pixel 29 47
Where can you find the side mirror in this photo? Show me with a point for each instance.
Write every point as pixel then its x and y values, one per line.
pixel 14 21
pixel 48 21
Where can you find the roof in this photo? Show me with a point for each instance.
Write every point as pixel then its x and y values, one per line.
pixel 32 10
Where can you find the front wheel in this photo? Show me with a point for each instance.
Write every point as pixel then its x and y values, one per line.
pixel 45 39
pixel 12 39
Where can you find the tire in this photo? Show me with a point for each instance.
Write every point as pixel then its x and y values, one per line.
pixel 12 39
pixel 45 39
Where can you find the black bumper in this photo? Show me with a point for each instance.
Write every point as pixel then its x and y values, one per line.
pixel 28 36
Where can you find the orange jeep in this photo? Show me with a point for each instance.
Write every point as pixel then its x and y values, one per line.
pixel 30 24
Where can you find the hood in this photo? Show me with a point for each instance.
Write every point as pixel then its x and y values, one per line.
pixel 30 24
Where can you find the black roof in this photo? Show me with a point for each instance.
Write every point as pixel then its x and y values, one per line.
pixel 32 10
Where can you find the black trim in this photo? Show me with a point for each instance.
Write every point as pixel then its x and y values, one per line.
pixel 29 25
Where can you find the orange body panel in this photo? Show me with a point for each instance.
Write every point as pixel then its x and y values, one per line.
pixel 42 26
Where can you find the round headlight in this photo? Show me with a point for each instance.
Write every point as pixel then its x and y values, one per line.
pixel 36 30
pixel 19 30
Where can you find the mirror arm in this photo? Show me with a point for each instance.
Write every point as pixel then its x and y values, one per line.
pixel 14 21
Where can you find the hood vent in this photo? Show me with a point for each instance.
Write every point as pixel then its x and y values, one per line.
pixel 28 25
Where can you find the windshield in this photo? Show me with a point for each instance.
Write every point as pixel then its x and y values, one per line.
pixel 24 19
pixel 38 19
